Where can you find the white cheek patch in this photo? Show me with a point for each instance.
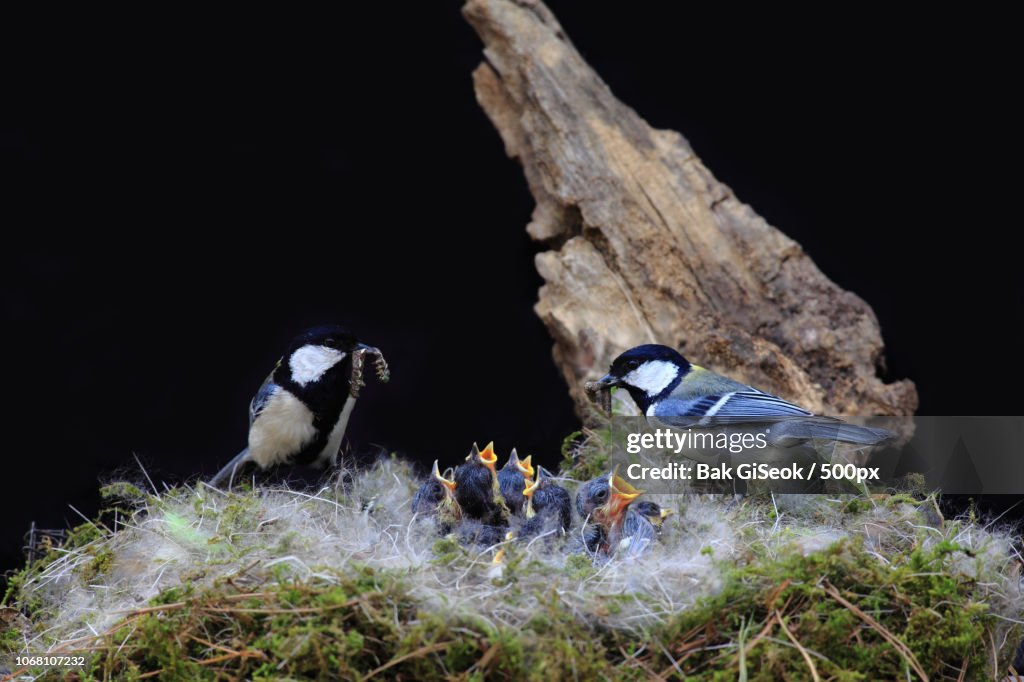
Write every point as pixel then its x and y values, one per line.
pixel 310 362
pixel 653 376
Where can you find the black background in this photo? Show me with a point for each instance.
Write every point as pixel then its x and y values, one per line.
pixel 182 195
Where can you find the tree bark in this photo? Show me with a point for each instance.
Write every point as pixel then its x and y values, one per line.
pixel 646 246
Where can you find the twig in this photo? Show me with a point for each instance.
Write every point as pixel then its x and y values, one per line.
pixel 422 651
pixel 488 656
pixel 146 474
pixel 234 654
pixel 799 647
pixel 213 646
pixel 880 629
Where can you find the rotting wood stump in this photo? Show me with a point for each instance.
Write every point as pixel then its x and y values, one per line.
pixel 646 246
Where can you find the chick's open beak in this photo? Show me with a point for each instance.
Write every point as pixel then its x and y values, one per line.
pixel 447 483
pixel 488 458
pixel 622 493
pixel 530 487
pixel 623 488
pixel 524 465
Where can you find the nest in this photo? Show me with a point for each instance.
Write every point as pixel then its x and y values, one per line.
pixel 196 582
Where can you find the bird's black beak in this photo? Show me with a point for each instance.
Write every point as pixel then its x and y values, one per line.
pixel 607 381
pixel 368 349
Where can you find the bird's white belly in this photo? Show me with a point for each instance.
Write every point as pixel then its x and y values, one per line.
pixel 283 428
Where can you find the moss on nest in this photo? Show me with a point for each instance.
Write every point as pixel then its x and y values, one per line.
pixel 278 584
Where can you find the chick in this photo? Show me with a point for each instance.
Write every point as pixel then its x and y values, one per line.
pixel 548 506
pixel 653 512
pixel 512 478
pixel 477 489
pixel 436 497
pixel 478 534
pixel 612 526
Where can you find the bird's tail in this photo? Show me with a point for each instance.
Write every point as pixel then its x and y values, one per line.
pixel 792 431
pixel 229 470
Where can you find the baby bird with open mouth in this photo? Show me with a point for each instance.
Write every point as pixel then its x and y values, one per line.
pixel 436 498
pixel 477 489
pixel 548 506
pixel 512 478
pixel 611 526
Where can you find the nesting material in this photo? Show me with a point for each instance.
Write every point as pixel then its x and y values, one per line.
pixel 198 540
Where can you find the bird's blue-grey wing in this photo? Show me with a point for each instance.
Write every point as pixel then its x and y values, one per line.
pixel 792 423
pixel 725 406
pixel 637 534
pixel 259 401
pixel 754 403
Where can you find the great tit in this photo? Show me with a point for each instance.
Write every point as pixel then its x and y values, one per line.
pixel 436 497
pixel 548 505
pixel 666 386
pixel 299 414
pixel 653 512
pixel 477 488
pixel 512 478
pixel 611 526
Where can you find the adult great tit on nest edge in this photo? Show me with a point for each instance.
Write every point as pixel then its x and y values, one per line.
pixel 300 413
pixel 667 387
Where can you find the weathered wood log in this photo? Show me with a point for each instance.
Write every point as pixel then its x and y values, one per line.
pixel 647 246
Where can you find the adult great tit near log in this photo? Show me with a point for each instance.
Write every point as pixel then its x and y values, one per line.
pixel 666 386
pixel 300 413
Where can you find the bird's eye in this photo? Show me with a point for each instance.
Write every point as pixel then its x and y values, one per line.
pixel 331 343
pixel 601 494
pixel 632 364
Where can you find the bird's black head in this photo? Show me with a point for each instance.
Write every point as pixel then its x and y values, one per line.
pixel 648 372
pixel 318 362
pixel 327 335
